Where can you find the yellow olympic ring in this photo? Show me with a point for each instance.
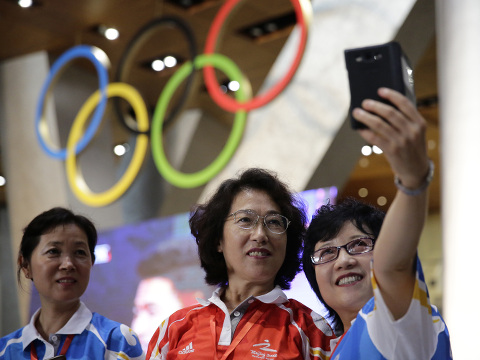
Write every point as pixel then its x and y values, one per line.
pixel 75 179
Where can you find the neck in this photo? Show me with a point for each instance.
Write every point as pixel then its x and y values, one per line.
pixel 347 319
pixel 234 295
pixel 53 317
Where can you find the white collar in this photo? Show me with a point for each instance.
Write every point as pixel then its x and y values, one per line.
pixel 276 296
pixel 76 325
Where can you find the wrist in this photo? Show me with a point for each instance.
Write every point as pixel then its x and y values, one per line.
pixel 423 186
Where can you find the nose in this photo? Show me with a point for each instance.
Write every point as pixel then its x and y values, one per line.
pixel 344 260
pixel 67 263
pixel 259 232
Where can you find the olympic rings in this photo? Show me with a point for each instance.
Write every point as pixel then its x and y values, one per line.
pixel 173 176
pixel 76 181
pixel 133 47
pixel 303 11
pixel 78 140
pixel 100 60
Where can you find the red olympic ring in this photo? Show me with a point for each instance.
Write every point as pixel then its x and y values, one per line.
pixel 303 12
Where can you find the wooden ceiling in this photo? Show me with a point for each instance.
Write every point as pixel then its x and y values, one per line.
pixel 57 25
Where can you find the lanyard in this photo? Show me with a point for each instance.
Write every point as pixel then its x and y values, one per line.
pixel 338 343
pixel 65 346
pixel 236 340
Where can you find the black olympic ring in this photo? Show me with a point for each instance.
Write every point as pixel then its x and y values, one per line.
pixel 130 51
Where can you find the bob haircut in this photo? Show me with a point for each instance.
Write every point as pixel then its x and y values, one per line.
pixel 207 222
pixel 45 223
pixel 326 224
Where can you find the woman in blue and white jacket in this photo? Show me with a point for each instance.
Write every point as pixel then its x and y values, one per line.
pixel 57 254
pixel 363 264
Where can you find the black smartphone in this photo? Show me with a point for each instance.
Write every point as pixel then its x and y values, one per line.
pixel 372 67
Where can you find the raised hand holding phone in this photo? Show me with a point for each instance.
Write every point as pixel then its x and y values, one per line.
pixel 370 68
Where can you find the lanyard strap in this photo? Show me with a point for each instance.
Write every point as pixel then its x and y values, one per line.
pixel 250 322
pixel 62 351
pixel 338 343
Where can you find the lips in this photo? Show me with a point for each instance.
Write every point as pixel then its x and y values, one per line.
pixel 66 281
pixel 348 279
pixel 258 252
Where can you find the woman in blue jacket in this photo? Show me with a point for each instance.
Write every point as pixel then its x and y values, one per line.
pixel 57 255
pixel 363 264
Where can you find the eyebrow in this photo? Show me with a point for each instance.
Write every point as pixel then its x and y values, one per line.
pixel 60 243
pixel 269 212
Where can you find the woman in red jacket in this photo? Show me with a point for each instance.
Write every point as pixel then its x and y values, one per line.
pixel 249 237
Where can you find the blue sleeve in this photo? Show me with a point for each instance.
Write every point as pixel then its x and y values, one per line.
pixel 121 341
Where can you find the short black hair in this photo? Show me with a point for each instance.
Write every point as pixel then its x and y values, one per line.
pixel 47 221
pixel 207 222
pixel 326 223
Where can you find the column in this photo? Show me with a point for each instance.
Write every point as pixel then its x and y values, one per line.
pixel 458 29
pixel 35 182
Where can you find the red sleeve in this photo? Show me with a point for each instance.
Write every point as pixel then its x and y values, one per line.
pixel 152 350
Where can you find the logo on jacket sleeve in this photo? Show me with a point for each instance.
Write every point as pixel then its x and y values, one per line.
pixel 187 349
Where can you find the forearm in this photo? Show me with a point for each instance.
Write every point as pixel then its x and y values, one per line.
pixel 396 248
pixel 402 139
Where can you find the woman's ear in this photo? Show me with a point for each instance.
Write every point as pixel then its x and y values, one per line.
pixel 25 266
pixel 220 246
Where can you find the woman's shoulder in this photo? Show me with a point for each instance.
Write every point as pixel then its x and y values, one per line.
pixel 303 314
pixel 104 322
pixel 107 327
pixel 192 311
pixel 13 335
pixel 298 306
pixel 10 341
pixel 115 334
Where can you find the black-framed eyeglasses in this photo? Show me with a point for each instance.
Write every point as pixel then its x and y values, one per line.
pixel 354 247
pixel 248 219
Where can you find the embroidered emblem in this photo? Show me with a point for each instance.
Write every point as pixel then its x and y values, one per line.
pixel 265 346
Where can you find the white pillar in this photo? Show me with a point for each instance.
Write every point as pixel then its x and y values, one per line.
pixel 458 29
pixel 35 181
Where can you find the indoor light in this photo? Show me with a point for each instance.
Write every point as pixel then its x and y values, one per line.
pixel 366 150
pixel 121 149
pixel 109 33
pixel 170 61
pixel 25 3
pixel 158 65
pixel 233 85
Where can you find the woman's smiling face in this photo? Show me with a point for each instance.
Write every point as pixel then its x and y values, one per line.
pixel 60 265
pixel 345 282
pixel 253 256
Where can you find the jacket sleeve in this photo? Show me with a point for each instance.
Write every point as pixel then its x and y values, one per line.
pixel 123 343
pixel 158 345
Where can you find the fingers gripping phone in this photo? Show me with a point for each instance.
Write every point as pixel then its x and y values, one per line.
pixel 372 67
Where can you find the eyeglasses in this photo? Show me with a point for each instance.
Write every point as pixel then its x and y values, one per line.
pixel 247 219
pixel 354 247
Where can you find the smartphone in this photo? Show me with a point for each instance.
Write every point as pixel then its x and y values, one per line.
pixel 372 67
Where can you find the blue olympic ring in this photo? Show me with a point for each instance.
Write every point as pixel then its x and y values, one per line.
pixel 40 124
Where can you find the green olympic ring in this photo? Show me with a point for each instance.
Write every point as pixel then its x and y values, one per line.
pixel 175 177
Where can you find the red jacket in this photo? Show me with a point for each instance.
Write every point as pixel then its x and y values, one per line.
pixel 273 327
